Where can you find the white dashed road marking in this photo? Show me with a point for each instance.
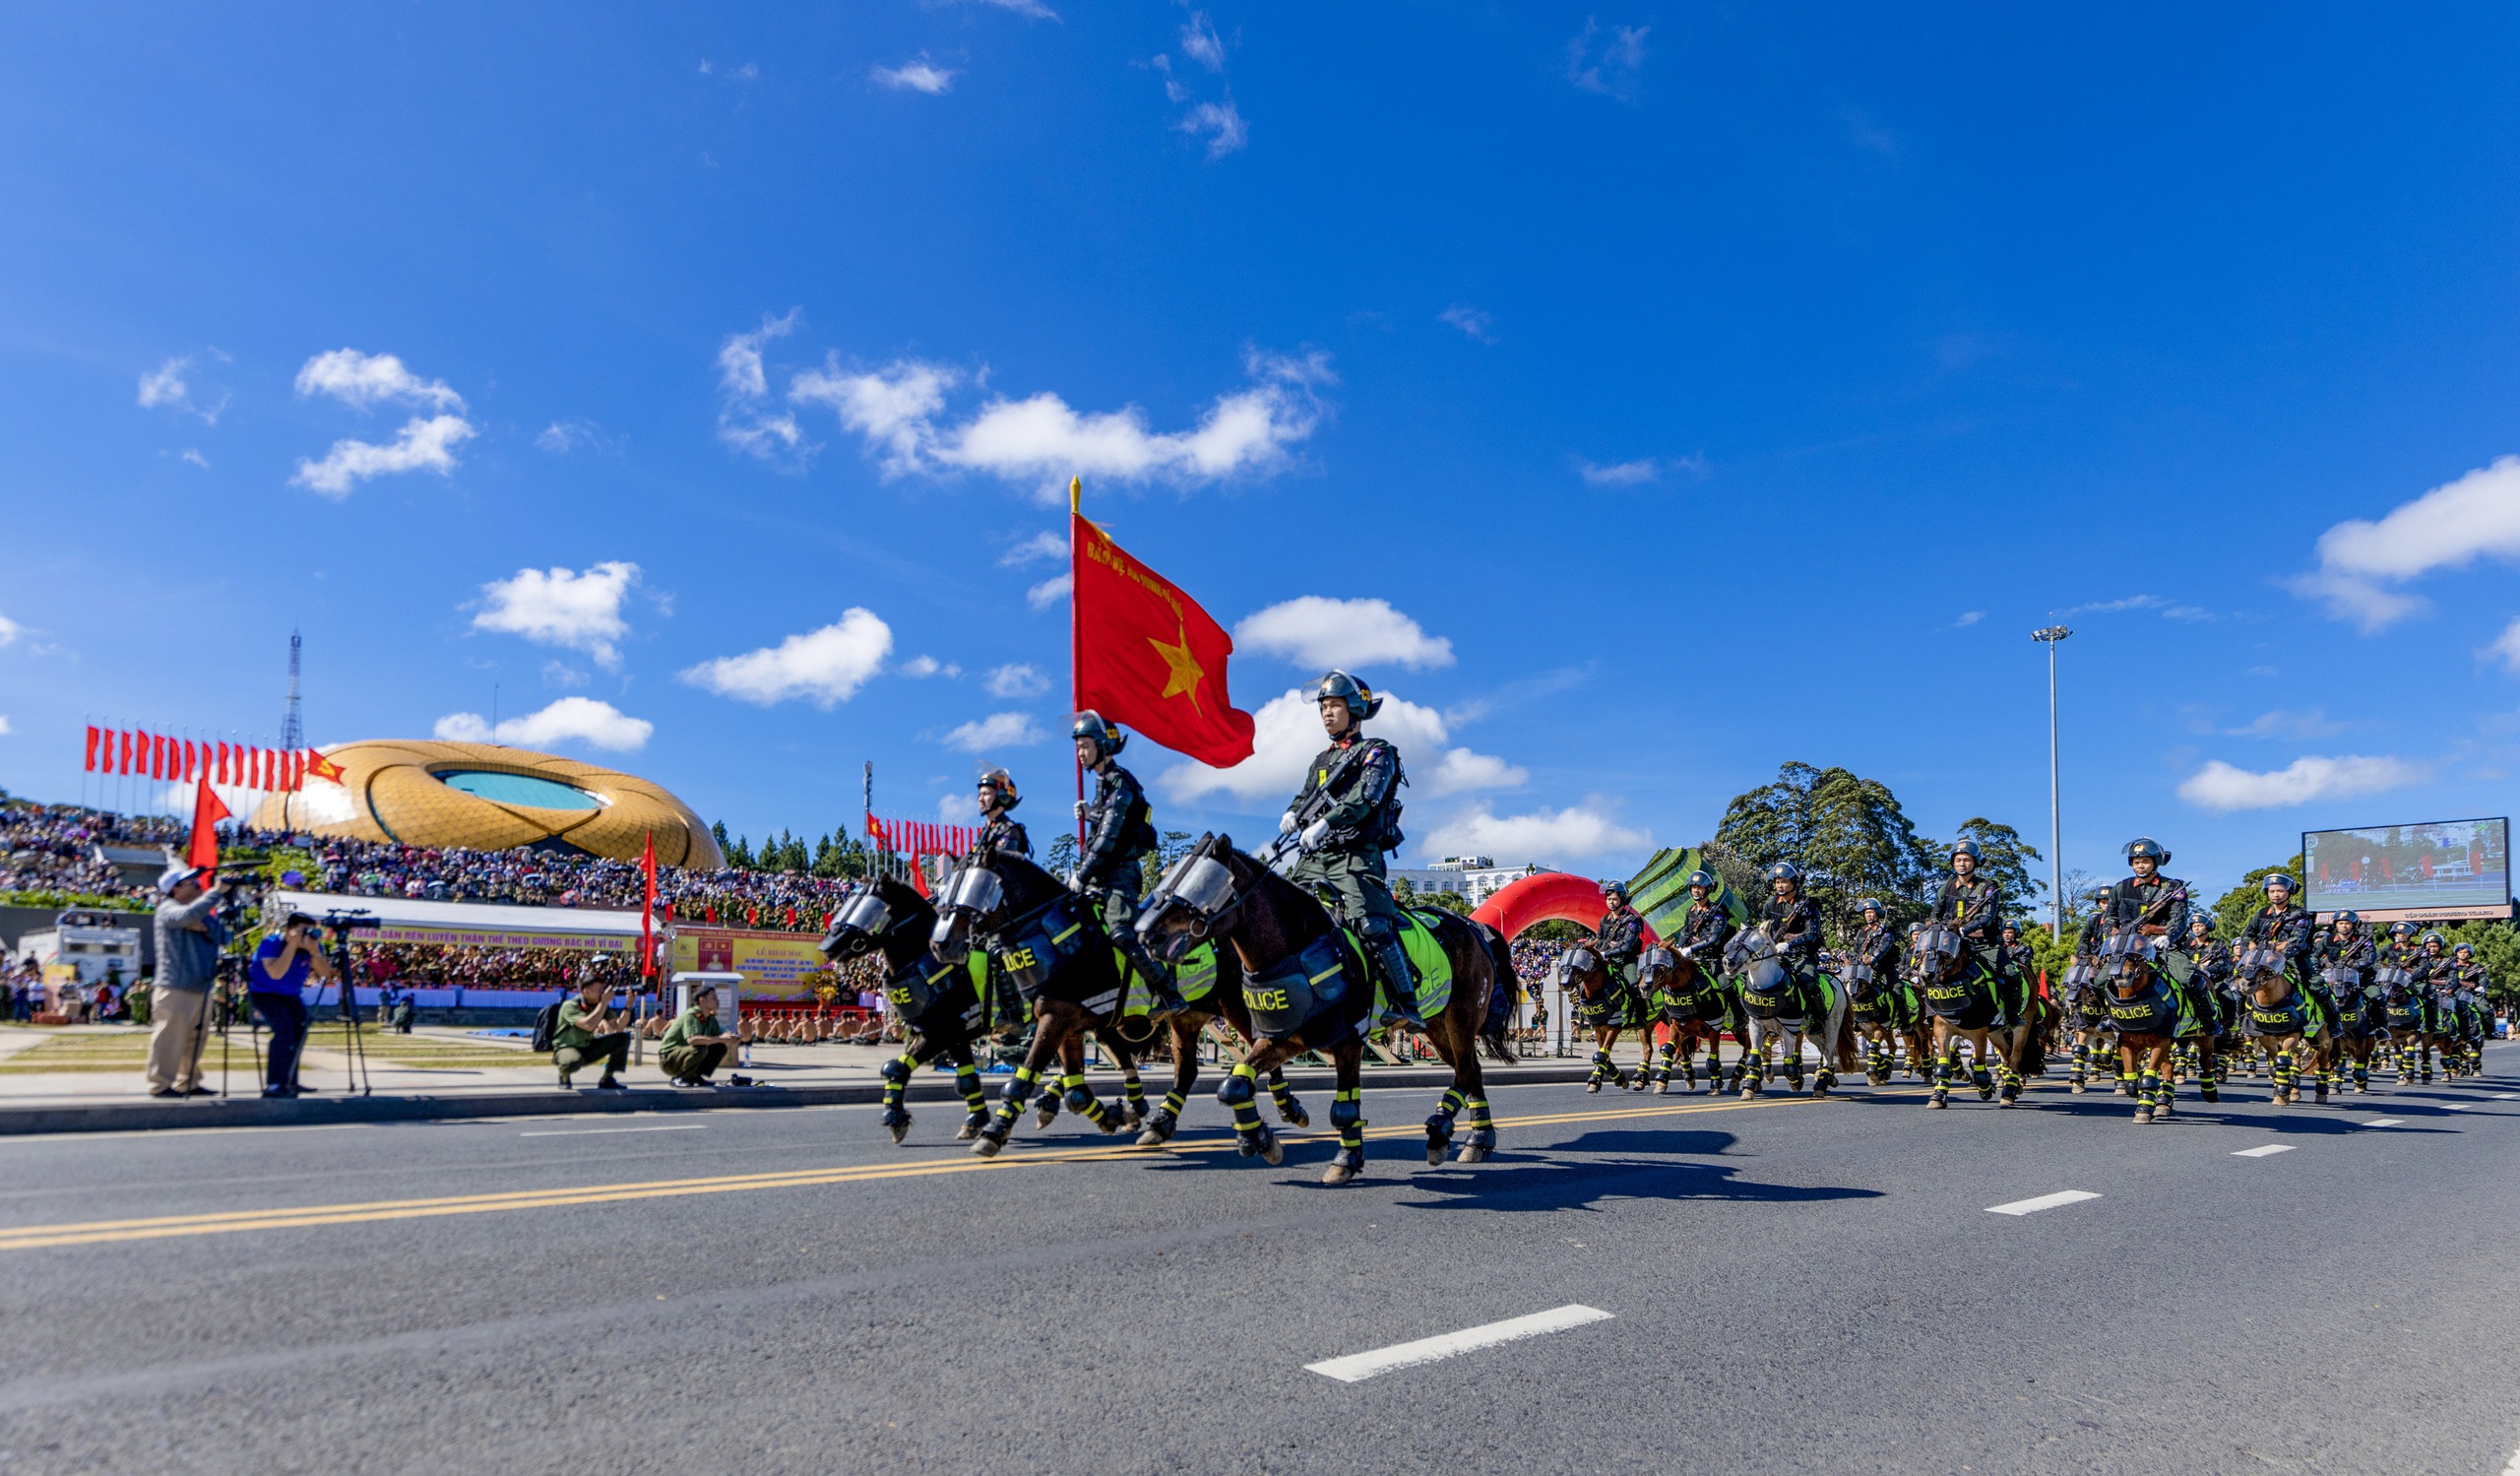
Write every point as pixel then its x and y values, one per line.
pixel 2386 1122
pixel 2045 1201
pixel 2506 1096
pixel 2268 1151
pixel 2454 1107
pixel 1358 1366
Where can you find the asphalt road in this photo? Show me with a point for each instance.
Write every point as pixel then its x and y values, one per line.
pixel 1790 1286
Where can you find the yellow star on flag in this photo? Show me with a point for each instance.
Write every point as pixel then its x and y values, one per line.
pixel 1182 673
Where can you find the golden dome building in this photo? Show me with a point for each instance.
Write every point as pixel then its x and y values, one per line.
pixel 488 797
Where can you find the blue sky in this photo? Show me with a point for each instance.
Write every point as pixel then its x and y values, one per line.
pixel 1695 388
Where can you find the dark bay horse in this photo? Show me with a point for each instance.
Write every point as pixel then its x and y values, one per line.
pixel 1059 959
pixel 2286 1021
pixel 1605 1004
pixel 2148 1017
pixel 1885 1014
pixel 1307 988
pixel 1214 989
pixel 1693 1001
pixel 939 1006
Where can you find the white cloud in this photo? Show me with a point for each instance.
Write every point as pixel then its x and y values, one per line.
pixel 1003 729
pixel 1608 63
pixel 1968 619
pixel 583 720
pixel 1030 10
pixel 197 459
pixel 364 381
pixel 916 76
pixel 2221 786
pixel 748 72
pixel 1287 733
pixel 2113 607
pixel 928 666
pixel 424 445
pixel 898 412
pixel 1469 320
pixel 744 420
pixel 561 674
pixel 1461 771
pixel 2280 724
pixel 2447 528
pixel 1050 592
pixel 1541 835
pixel 561 438
pixel 1618 473
pixel 1200 43
pixel 1315 631
pixel 2505 647
pixel 827 666
pixel 1033 549
pixel 1221 122
pixel 958 808
pixel 10 630
pixel 6 729
pixel 165 388
pixel 563 608
pixel 1009 683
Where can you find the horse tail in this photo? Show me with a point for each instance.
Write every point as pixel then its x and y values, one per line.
pixel 1505 989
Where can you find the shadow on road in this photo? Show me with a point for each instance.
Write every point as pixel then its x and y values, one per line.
pixel 1523 1182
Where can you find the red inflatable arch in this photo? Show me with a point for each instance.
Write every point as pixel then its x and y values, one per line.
pixel 1552 895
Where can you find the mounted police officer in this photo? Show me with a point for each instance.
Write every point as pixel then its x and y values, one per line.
pixel 1792 924
pixel 2155 906
pixel 1706 927
pixel 1344 820
pixel 1875 945
pixel 2018 956
pixel 1120 834
pixel 999 830
pixel 2213 971
pixel 1621 935
pixel 1973 906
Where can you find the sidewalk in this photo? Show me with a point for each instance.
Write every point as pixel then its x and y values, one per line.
pixel 90 1079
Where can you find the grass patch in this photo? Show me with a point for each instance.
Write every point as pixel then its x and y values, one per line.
pixel 129 1052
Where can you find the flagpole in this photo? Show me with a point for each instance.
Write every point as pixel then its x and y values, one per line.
pixel 1076 699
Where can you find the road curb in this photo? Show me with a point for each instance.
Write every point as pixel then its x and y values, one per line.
pixel 929 1086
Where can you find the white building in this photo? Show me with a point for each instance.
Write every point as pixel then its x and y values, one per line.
pixel 98 944
pixel 1475 878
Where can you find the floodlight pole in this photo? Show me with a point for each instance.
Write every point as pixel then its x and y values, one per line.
pixel 2048 636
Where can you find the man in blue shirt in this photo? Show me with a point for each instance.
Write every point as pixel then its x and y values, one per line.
pixel 276 983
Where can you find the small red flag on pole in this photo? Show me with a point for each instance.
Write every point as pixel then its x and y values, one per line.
pixel 203 849
pixel 92 749
pixel 648 909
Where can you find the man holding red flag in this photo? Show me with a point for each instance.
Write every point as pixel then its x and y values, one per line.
pixel 189 937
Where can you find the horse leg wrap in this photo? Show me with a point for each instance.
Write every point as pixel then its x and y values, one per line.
pixel 967 1080
pixel 2147 1087
pixel 1134 1092
pixel 1238 1092
pixel 1347 1115
pixel 1284 1096
pixel 1602 1066
pixel 1482 1129
pixel 1440 1124
pixel 896 1073
pixel 1081 1097
pixel 1019 1090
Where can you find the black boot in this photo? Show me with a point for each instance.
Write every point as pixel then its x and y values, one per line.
pixel 1400 986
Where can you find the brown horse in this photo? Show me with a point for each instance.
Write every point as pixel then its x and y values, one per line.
pixel 2286 1023
pixel 2148 1018
pixel 1610 1008
pixel 1694 1003
pixel 1307 988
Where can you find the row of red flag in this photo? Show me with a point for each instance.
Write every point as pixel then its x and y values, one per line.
pixel 916 838
pixel 155 755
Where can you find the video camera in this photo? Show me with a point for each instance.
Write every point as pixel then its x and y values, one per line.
pixel 338 922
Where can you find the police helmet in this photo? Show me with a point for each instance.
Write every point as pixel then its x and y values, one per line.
pixel 1968 848
pixel 1005 783
pixel 2434 937
pixel 1784 870
pixel 2354 918
pixel 1869 904
pixel 1705 879
pixel 2467 948
pixel 1108 736
pixel 2145 845
pixel 1616 889
pixel 1361 699
pixel 2279 879
pixel 2401 929
pixel 2011 927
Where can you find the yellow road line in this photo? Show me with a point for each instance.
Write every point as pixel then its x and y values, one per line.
pixel 104 1232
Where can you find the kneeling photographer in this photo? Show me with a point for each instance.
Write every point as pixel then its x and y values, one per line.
pixel 276 981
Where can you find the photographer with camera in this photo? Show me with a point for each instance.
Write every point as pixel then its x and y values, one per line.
pixel 591 1030
pixel 276 981
pixel 190 934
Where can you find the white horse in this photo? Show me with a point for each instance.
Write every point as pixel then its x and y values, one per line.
pixel 1775 1010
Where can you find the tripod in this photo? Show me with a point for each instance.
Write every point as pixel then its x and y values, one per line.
pixel 336 943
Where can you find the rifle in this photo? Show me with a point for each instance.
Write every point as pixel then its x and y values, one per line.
pixel 1317 804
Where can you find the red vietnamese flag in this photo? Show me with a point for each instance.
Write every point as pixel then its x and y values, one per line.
pixel 321 767
pixel 1146 654
pixel 126 754
pixel 648 909
pixel 203 851
pixel 92 749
